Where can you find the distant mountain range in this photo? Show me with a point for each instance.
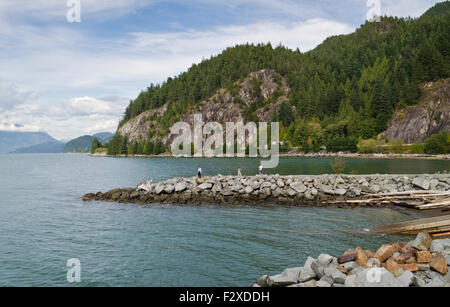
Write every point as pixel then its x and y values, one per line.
pixel 12 141
pixel 41 142
pixel 50 147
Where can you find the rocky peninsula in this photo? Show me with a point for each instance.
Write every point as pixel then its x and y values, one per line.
pixel 422 262
pixel 323 190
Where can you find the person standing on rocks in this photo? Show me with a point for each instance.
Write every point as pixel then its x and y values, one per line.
pixel 260 170
pixel 239 172
pixel 199 172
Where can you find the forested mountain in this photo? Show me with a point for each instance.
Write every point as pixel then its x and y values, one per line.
pixel 345 89
pixel 81 144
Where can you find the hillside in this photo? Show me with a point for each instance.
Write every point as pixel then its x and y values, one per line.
pixel 439 10
pixel 50 147
pixel 11 141
pixel 81 144
pixel 347 88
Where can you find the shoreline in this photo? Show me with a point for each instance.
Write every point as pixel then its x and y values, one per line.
pixel 303 190
pixel 307 155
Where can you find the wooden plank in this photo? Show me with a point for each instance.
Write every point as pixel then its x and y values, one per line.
pixel 443 234
pixel 415 192
pixel 416 225
pixel 429 230
pixel 434 206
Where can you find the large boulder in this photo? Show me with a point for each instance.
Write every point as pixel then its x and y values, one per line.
pixel 264 281
pixel 428 279
pixel 378 277
pixel 423 257
pixel 205 186
pixel 440 246
pixel 298 187
pixel 306 274
pixel 421 183
pixel 287 278
pixel 180 186
pixel 439 263
pixel 384 252
pixel 309 284
pixel 422 242
pixel 159 188
pixel 406 279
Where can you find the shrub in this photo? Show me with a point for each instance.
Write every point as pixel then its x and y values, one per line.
pixel 370 146
pixel 396 147
pixel 416 148
pixel 438 143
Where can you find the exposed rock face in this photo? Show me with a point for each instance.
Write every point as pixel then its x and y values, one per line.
pixel 224 106
pixel 137 129
pixel 431 115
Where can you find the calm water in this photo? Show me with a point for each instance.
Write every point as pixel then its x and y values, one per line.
pixel 43 223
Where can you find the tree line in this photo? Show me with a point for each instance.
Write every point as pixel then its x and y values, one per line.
pixel 344 90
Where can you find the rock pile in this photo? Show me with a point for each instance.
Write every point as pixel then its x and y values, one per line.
pixel 273 189
pixel 422 262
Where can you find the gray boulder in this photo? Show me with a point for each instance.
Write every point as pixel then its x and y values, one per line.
pixel 180 186
pixel 308 284
pixel 264 281
pixel 406 279
pixel 169 188
pixel 376 277
pixel 159 188
pixel 421 183
pixel 349 266
pixel 205 186
pixel 306 275
pixel 440 246
pixel 287 278
pixel 298 187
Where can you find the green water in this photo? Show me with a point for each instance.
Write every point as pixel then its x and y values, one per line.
pixel 43 223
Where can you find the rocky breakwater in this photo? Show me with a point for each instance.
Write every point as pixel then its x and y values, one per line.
pixel 422 262
pixel 272 189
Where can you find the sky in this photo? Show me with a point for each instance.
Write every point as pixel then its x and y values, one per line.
pixel 76 78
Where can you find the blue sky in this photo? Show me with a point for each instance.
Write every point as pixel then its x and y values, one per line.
pixel 70 79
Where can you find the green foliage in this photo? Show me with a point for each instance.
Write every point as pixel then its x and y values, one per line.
pixel 438 143
pixel 79 145
pixel 95 145
pixel 396 147
pixel 345 89
pixel 416 148
pixel 370 146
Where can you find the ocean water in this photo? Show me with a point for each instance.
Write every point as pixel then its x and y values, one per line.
pixel 44 222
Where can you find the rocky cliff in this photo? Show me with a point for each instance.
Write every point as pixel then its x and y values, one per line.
pixel 257 97
pixel 428 117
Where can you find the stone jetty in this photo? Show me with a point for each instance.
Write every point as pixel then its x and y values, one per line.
pixel 323 190
pixel 422 262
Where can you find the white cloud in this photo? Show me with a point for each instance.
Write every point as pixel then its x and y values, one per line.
pixel 11 95
pixel 60 61
pixel 406 8
pixel 68 119
pixel 57 9
pixel 67 66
